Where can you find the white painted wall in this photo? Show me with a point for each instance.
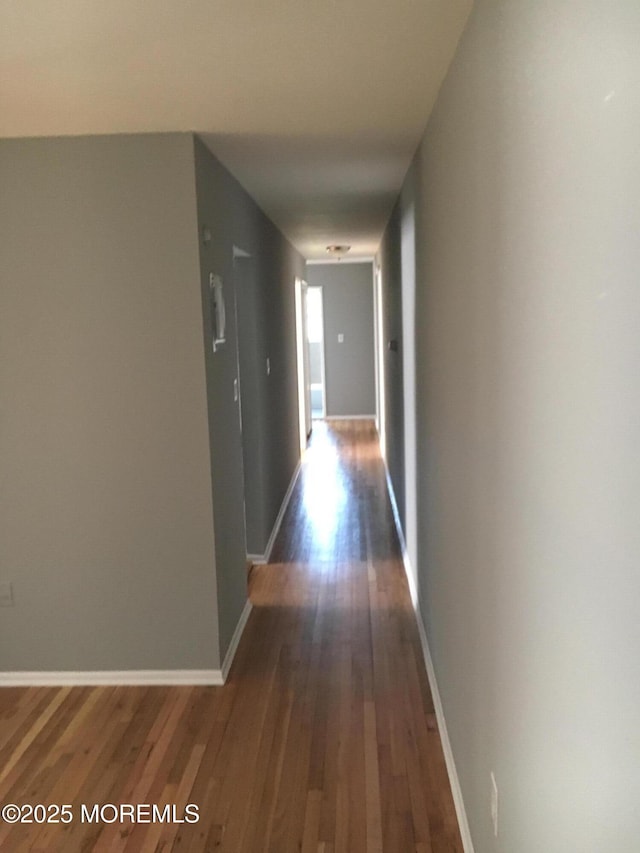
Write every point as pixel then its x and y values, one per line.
pixel 408 278
pixel 527 202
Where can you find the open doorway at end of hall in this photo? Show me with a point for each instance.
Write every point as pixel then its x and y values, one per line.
pixel 315 331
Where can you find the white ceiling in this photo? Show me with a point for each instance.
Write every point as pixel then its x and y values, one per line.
pixel 316 106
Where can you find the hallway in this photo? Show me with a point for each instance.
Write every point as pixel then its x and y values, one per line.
pixel 324 737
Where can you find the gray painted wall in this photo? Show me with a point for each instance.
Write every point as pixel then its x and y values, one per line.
pixel 263 285
pixel 527 308
pixel 105 490
pixel 393 433
pixel 348 310
pixel 252 349
pixel 122 459
pixel 227 482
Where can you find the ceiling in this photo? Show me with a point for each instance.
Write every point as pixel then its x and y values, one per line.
pixel 316 106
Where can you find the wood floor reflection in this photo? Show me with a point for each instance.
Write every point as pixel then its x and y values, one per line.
pixel 324 738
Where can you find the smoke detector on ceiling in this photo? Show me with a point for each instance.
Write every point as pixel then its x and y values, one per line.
pixel 337 251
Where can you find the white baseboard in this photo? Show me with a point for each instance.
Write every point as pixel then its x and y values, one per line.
pixel 133 677
pixel 113 678
pixel 263 559
pixel 454 781
pixel 283 509
pixel 403 545
pixel 235 640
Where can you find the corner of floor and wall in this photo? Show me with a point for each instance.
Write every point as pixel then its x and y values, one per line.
pixel 509 275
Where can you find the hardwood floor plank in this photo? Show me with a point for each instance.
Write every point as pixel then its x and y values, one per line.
pixel 324 738
pixel 372 781
pixel 311 822
pixel 12 767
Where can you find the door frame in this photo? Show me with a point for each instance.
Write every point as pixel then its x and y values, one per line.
pixel 302 363
pixel 323 371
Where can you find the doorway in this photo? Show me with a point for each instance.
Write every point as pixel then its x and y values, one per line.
pixel 315 332
pixel 302 350
pixel 250 345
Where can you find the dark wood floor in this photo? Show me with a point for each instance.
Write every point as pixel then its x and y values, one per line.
pixel 324 738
